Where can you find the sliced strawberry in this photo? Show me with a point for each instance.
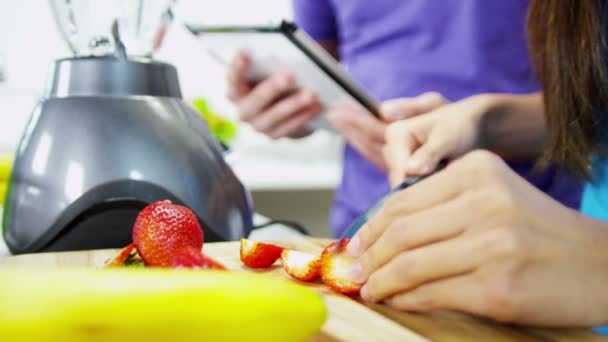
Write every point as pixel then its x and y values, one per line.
pixel 120 259
pixel 258 254
pixel 190 257
pixel 300 265
pixel 336 267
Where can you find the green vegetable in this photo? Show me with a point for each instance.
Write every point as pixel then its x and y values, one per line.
pixel 221 128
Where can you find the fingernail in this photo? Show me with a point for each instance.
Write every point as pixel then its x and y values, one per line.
pixel 415 166
pixel 364 293
pixel 356 272
pixel 354 247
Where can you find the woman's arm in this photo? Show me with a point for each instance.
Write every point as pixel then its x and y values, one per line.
pixel 478 238
pixel 512 125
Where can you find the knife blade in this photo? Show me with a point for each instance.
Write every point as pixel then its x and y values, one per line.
pixel 363 218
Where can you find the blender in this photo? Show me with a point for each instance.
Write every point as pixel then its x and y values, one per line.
pixel 111 135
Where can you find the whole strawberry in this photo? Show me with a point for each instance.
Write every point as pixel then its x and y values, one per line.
pixel 162 229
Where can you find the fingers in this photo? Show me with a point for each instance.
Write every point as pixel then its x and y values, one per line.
pixel 269 120
pixel 265 106
pixel 404 108
pixel 264 94
pixel 469 293
pixel 460 293
pixel 296 125
pixel 439 188
pixel 400 143
pixel 238 85
pixel 370 149
pixel 439 223
pixel 363 131
pixel 414 148
pixel 349 118
pixel 428 155
pixel 412 269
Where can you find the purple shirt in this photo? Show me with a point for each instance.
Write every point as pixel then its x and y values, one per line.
pixel 397 48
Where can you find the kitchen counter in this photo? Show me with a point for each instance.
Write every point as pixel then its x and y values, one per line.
pixel 349 319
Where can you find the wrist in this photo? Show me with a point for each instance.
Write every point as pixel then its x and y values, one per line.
pixel 485 104
pixel 485 113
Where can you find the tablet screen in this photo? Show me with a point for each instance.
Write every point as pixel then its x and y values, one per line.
pixel 274 49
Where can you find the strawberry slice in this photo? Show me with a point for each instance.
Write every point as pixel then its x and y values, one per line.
pixel 336 267
pixel 120 259
pixel 258 254
pixel 300 265
pixel 190 257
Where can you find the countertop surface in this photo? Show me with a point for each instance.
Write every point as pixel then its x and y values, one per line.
pixel 349 319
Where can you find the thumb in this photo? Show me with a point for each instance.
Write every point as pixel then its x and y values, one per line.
pixel 400 143
pixel 427 156
pixel 396 156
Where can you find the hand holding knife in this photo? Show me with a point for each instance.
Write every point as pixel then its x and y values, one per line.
pixel 361 220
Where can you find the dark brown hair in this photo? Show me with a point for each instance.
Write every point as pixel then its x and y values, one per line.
pixel 568 49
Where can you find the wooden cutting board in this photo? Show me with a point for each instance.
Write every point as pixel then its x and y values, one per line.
pixel 349 319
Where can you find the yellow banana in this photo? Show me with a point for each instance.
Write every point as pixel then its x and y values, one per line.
pixel 6 163
pixel 3 188
pixel 154 305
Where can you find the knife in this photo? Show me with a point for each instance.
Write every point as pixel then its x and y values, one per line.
pixel 361 220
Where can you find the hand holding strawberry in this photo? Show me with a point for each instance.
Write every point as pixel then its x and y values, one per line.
pixel 336 267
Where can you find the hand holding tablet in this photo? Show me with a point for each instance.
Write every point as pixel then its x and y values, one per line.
pixel 285 56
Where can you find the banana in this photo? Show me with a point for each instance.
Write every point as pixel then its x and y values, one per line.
pixel 3 188
pixel 154 305
pixel 6 162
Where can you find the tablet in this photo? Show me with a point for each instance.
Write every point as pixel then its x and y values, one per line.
pixel 285 47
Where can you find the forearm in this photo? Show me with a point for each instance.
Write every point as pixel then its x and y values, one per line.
pixel 512 125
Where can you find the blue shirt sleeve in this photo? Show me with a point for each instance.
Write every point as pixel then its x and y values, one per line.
pixel 595 196
pixel 317 18
pixel 602 330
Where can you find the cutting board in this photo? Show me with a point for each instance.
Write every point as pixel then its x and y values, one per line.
pixel 349 319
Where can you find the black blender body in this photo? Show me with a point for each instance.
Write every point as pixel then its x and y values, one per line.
pixel 111 136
